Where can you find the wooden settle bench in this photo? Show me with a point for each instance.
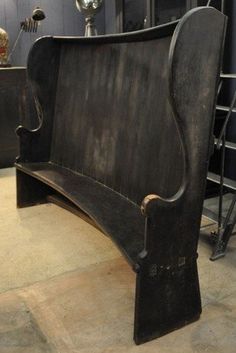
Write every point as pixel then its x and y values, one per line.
pixel 122 119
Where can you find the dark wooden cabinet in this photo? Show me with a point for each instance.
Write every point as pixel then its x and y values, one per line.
pixel 132 15
pixel 16 107
pixel 163 11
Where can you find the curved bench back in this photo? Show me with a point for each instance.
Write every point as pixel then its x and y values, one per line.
pixel 116 100
pixel 112 119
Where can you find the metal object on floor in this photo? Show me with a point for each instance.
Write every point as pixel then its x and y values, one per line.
pixel 224 232
pixel 226 226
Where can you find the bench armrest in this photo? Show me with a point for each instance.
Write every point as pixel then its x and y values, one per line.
pixel 42 70
pixel 27 144
pixel 161 221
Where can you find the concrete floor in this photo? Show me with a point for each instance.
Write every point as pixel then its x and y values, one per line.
pixel 66 289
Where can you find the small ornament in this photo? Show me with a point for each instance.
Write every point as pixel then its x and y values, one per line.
pixel 4 44
pixel 89 8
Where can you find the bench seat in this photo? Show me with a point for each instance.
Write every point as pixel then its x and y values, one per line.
pixel 116 216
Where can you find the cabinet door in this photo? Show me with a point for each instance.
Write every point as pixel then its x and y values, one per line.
pixel 169 10
pixel 134 15
pixel 218 4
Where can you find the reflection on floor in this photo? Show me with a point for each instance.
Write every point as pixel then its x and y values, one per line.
pixel 65 288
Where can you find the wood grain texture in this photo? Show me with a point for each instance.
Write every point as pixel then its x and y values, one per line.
pixel 116 145
pixel 16 107
pixel 126 118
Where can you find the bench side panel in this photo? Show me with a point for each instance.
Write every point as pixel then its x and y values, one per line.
pixel 167 292
pixel 42 70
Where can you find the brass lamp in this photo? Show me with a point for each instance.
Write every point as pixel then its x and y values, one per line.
pixel 4 44
pixel 28 25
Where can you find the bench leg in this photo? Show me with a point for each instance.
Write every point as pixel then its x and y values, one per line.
pixel 30 191
pixel 166 299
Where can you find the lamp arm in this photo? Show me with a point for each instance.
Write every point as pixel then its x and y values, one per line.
pixel 15 44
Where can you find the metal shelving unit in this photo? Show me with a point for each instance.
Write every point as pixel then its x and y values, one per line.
pixel 225 224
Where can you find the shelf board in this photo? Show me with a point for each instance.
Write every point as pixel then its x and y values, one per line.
pixel 210 214
pixel 225 108
pixel 232 76
pixel 228 183
pixel 228 144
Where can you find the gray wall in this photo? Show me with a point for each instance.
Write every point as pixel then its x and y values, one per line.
pixel 110 16
pixel 62 19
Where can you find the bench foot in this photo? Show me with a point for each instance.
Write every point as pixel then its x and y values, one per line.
pixel 30 191
pixel 166 299
pixel 222 241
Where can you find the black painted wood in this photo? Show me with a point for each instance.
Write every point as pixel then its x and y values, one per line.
pixel 113 212
pixel 123 119
pixel 16 107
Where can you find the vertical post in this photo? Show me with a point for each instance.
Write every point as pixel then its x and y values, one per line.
pixel 222 169
pixel 167 298
pixel 119 16
pixel 30 191
pixel 148 19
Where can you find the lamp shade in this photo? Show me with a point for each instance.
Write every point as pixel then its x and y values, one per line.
pixel 38 14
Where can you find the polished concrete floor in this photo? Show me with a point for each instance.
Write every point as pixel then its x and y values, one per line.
pixel 65 288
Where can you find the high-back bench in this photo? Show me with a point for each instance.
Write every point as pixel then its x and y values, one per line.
pixel 122 119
